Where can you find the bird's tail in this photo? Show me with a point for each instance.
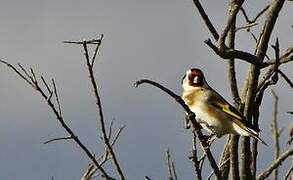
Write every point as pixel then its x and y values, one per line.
pixel 255 136
pixel 246 131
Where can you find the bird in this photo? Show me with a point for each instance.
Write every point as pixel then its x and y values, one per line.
pixel 212 111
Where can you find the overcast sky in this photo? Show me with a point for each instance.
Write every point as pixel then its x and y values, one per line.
pixel 158 40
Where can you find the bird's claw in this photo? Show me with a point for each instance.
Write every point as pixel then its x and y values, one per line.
pixel 189 118
pixel 210 139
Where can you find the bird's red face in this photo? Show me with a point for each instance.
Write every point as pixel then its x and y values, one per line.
pixel 195 77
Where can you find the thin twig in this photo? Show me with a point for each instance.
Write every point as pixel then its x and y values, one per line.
pixel 275 131
pixel 206 19
pixel 93 41
pixel 286 78
pixel 148 178
pixel 256 17
pixel 194 158
pixel 96 50
pixel 47 86
pixel 99 109
pixel 230 22
pixel 247 26
pixel 289 172
pixel 169 166
pixel 275 164
pixel 89 173
pixel 34 84
pixel 224 156
pixel 58 139
pixel 221 166
pixel 284 58
pixel 174 170
pixel 235 54
pixel 117 135
pixel 57 97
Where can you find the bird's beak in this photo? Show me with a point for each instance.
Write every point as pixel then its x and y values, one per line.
pixel 196 80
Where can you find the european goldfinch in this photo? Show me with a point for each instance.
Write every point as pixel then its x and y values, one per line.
pixel 212 111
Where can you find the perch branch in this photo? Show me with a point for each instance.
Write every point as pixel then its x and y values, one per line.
pixel 195 124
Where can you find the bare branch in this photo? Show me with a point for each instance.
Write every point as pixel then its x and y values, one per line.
pixel 275 164
pixel 235 54
pixel 89 173
pixel 221 166
pixel 16 71
pixel 289 173
pixel 117 135
pixel 33 82
pixel 224 156
pixel 247 27
pixel 58 139
pixel 99 107
pixel 234 164
pixel 256 17
pixel 286 78
pixel 96 50
pixel 93 41
pixel 275 131
pixel 46 85
pixel 57 97
pixel 194 158
pixel 206 19
pixel 284 58
pixel 271 18
pixel 231 22
pixel 169 166
pixel 174 170
pixel 148 178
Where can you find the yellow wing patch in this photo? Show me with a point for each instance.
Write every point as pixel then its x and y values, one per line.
pixel 232 111
pixel 221 104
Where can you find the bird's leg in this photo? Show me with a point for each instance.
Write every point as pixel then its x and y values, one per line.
pixel 238 102
pixel 210 138
pixel 187 123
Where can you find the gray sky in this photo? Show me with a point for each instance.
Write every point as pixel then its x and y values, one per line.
pixel 158 40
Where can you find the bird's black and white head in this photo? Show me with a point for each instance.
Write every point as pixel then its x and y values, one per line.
pixel 194 78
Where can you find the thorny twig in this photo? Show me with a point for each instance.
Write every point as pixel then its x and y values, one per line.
pixel 90 66
pixel 32 80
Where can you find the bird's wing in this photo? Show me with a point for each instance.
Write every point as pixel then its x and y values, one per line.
pixel 220 103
